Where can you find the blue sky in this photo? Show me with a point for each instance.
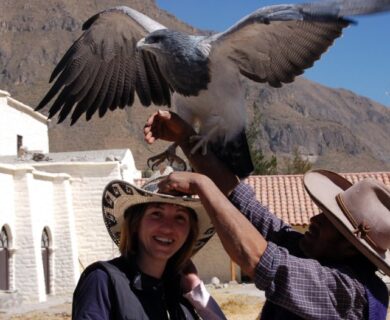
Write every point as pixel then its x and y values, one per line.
pixel 358 61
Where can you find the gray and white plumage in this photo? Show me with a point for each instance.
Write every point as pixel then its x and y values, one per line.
pixel 123 52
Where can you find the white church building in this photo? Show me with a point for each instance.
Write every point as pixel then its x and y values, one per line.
pixel 51 224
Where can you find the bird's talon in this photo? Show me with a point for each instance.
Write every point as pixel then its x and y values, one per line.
pixel 168 155
pixel 155 161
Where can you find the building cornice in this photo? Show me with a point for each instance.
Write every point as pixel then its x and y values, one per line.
pixel 23 107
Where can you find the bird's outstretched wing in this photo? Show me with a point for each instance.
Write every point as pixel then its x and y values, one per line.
pixel 103 69
pixel 275 44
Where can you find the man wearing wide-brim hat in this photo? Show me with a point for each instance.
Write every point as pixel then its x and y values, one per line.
pixel 327 273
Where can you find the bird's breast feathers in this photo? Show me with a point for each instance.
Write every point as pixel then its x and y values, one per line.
pixel 222 105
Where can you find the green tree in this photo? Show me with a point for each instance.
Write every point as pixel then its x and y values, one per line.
pixel 297 165
pixel 262 166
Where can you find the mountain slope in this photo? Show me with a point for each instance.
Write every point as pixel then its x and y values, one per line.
pixel 340 129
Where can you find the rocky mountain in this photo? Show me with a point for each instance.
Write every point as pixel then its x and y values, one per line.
pixel 336 129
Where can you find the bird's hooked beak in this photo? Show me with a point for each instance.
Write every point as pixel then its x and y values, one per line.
pixel 142 45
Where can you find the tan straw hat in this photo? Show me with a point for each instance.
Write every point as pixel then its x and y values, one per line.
pixel 360 211
pixel 120 195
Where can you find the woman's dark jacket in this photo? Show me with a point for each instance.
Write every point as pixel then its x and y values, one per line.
pixel 117 289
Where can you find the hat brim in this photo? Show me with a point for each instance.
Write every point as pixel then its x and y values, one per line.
pixel 120 195
pixel 323 187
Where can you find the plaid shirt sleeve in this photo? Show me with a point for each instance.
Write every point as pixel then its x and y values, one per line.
pixel 301 285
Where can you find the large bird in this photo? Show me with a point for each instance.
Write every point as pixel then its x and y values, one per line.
pixel 122 52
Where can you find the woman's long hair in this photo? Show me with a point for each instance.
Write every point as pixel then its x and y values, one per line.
pixel 129 236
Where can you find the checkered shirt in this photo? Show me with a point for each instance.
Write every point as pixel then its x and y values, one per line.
pixel 297 287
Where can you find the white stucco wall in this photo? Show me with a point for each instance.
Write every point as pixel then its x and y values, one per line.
pixel 92 236
pixel 64 198
pixel 31 201
pixel 88 182
pixel 40 198
pixel 129 170
pixel 65 248
pixel 17 118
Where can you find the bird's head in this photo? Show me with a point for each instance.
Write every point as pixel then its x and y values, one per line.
pixel 165 41
pixel 178 55
pixel 156 42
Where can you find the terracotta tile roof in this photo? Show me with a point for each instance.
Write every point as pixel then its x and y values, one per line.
pixel 286 197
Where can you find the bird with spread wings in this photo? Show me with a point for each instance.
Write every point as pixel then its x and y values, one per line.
pixel 122 52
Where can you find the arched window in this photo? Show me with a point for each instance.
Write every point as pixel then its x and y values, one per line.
pixel 4 260
pixel 45 245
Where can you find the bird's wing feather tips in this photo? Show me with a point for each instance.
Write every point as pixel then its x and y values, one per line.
pixel 103 69
pixel 345 8
pixel 274 44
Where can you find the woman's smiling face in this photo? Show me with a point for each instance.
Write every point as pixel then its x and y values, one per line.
pixel 163 230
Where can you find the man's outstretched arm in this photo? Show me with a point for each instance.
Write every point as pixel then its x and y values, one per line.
pixel 241 240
